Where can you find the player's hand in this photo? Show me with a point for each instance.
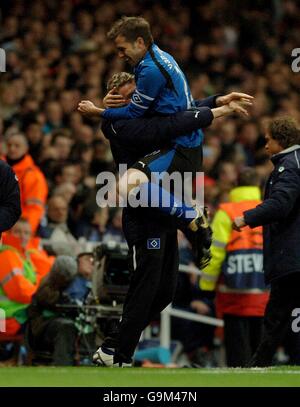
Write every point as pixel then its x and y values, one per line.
pixel 87 108
pixel 239 107
pixel 113 99
pixel 233 96
pixel 238 223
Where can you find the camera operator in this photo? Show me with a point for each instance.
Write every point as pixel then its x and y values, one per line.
pixel 50 328
pixel 80 287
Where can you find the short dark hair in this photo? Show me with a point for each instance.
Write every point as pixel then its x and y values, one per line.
pixel 17 134
pixel 285 130
pixel 90 254
pixel 59 168
pixel 131 28
pixel 248 177
pixel 65 133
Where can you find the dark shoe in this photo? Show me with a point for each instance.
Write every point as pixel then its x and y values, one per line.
pixel 202 239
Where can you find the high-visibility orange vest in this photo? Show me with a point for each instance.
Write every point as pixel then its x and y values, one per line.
pixel 241 288
pixel 17 285
pixel 21 272
pixel 33 189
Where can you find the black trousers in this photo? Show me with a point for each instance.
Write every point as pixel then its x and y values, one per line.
pixel 284 297
pixel 152 287
pixel 241 338
pixel 58 337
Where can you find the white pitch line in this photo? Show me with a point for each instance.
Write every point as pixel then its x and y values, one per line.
pixel 209 372
pixel 167 371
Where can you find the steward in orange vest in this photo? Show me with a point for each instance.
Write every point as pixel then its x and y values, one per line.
pixel 236 273
pixel 32 182
pixel 23 266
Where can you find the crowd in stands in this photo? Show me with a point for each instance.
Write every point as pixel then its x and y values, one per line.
pixel 57 54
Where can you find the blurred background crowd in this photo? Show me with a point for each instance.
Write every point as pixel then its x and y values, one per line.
pixel 57 54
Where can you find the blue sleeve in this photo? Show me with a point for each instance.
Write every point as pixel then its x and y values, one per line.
pixel 10 204
pixel 285 193
pixel 149 85
pixel 208 102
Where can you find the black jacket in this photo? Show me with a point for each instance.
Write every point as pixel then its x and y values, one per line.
pixel 279 214
pixel 10 204
pixel 134 138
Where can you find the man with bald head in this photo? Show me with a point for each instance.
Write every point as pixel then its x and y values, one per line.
pixel 33 185
pixel 55 228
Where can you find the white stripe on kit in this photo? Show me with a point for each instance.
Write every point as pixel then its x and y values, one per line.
pixel 142 107
pixel 113 129
pixel 143 95
pixel 297 159
pixel 185 86
pixel 134 257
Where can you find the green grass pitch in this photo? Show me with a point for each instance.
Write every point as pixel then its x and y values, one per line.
pixel 147 377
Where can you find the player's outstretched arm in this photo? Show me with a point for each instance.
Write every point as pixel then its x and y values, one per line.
pixel 159 130
pixel 219 100
pixel 233 97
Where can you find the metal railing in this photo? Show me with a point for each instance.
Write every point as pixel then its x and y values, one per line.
pixel 169 311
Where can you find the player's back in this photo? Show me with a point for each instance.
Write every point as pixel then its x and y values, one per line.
pixel 175 96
